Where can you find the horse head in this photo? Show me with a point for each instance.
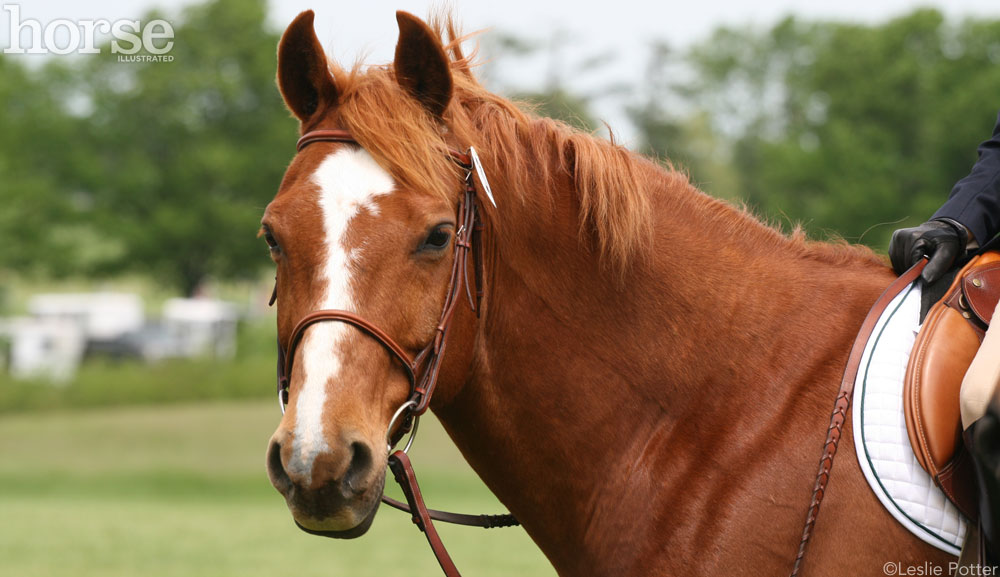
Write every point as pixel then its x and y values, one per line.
pixel 349 232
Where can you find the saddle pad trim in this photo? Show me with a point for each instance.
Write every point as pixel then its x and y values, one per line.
pixel 868 466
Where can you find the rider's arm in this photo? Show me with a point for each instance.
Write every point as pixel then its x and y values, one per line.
pixel 975 200
pixel 970 216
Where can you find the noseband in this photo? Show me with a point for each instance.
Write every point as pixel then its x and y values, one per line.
pixel 421 370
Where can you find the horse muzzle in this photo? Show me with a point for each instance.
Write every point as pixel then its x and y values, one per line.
pixel 333 492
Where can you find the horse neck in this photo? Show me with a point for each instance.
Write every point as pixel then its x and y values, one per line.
pixel 581 383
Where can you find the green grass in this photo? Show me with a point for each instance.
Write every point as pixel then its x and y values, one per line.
pixel 180 490
pixel 102 382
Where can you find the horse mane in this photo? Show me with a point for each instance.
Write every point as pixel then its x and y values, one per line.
pixel 760 236
pixel 614 206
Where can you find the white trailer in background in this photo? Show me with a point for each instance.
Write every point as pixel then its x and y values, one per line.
pixel 64 328
pixel 49 349
pixel 103 316
pixel 201 327
pixel 51 342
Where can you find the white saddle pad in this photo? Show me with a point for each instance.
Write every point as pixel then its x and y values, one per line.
pixel 883 448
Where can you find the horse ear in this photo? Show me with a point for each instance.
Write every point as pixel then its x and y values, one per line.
pixel 421 65
pixel 304 79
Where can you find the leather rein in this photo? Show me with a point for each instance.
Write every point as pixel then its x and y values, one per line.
pixel 421 370
pixel 843 402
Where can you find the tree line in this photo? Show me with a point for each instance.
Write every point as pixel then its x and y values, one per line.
pixel 164 169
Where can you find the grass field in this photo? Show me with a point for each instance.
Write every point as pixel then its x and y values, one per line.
pixel 181 490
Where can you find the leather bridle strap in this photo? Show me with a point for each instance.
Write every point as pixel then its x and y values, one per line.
pixel 483 521
pixel 338 135
pixel 409 365
pixel 843 402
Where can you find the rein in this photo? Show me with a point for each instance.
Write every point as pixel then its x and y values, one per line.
pixel 421 370
pixel 843 402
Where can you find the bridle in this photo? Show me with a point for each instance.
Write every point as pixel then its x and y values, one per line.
pixel 422 383
pixel 421 370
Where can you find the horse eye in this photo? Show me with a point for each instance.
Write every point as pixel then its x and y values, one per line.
pixel 438 239
pixel 271 242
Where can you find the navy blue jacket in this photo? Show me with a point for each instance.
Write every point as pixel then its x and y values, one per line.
pixel 975 200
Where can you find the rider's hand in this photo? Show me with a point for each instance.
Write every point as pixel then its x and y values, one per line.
pixel 941 240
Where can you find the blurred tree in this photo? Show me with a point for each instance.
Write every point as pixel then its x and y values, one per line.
pixel 842 126
pixel 189 152
pixel 674 132
pixel 554 99
pixel 161 168
pixel 559 104
pixel 37 175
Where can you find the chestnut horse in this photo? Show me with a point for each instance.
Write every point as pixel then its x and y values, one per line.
pixel 648 385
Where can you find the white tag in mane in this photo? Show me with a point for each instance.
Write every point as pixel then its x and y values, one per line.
pixel 482 175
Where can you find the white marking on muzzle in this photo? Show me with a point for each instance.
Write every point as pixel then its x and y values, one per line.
pixel 349 180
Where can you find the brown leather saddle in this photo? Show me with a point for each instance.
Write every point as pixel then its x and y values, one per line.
pixel 945 346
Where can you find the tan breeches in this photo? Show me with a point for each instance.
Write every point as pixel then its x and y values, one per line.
pixel 983 377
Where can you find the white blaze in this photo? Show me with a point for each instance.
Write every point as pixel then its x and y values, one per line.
pixel 349 180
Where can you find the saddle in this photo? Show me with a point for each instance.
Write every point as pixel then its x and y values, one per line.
pixel 945 346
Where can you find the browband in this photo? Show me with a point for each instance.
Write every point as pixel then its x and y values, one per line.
pixel 339 135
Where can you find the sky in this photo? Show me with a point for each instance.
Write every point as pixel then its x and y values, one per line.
pixel 621 24
pixel 624 28
pixel 350 27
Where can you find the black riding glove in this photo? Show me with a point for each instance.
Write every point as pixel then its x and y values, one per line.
pixel 941 240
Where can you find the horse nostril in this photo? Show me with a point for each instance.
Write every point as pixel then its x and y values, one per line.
pixel 276 471
pixel 359 468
